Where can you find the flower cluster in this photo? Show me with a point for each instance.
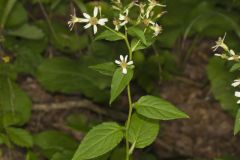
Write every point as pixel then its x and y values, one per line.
pixel 125 17
pixel 229 55
pixel 146 16
pixel 90 20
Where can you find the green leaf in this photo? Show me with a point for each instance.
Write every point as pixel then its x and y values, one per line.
pixel 221 79
pixel 157 108
pixel 237 123
pixel 27 31
pixel 7 10
pixel 118 153
pixel 17 16
pixel 13 100
pixel 31 156
pixel 20 137
pixel 137 32
pixel 99 140
pixel 119 82
pixel 142 131
pixel 105 68
pixel 54 140
pixel 69 76
pixel 235 67
pixel 109 36
pixel 65 155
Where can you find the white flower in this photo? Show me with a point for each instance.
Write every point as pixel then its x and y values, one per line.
pixel 157 29
pixel 233 56
pixel 223 56
pixel 124 18
pixel 74 19
pixel 152 4
pixel 220 43
pixel 91 21
pixel 237 94
pixel 236 83
pixel 123 63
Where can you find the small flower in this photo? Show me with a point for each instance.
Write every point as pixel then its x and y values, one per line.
pixel 91 21
pixel 124 18
pixel 157 29
pixel 116 23
pixel 152 4
pixel 236 83
pixel 223 56
pixel 123 63
pixel 6 59
pixel 237 94
pixel 220 43
pixel 233 56
pixel 74 19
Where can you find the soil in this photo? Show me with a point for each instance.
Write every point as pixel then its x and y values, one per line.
pixel 207 134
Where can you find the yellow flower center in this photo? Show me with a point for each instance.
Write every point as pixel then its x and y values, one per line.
pixel 123 64
pixel 146 21
pixel 93 21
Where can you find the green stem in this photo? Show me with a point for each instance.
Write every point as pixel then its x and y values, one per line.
pixel 125 37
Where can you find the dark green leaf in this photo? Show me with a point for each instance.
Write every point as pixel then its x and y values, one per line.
pixel 13 100
pixel 157 108
pixel 105 68
pixel 20 137
pixel 99 140
pixel 221 80
pixel 235 67
pixel 119 82
pixel 138 33
pixel 31 156
pixel 27 31
pixel 237 123
pixel 109 36
pixel 69 76
pixel 54 140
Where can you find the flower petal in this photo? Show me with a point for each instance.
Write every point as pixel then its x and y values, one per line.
pixel 126 58
pixel 95 29
pixel 237 94
pixel 232 52
pixel 86 15
pixel 95 11
pixel 83 20
pixel 124 70
pixel 121 58
pixel 238 102
pixel 87 26
pixel 117 62
pixel 102 21
pixel 130 63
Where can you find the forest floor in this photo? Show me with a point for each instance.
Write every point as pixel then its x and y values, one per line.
pixel 207 134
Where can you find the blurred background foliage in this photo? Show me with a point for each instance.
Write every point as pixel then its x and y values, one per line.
pixel 34 34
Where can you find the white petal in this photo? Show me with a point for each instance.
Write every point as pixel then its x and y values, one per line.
pixel 95 11
pixel 232 52
pixel 124 70
pixel 126 58
pixel 83 20
pixel 231 58
pixel 121 17
pixel 102 21
pixel 238 102
pixel 130 63
pixel 95 29
pixel 121 58
pixel 117 62
pixel 236 83
pixel 123 23
pixel 237 94
pixel 219 55
pixel 87 26
pixel 86 15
